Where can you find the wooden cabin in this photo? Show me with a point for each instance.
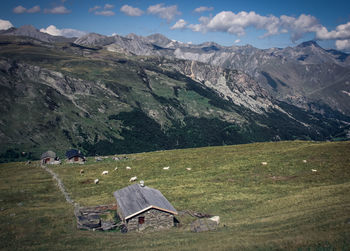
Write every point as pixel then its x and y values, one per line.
pixel 75 156
pixel 141 207
pixel 49 157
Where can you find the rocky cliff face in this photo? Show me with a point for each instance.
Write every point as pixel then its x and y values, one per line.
pixel 232 85
pixel 299 75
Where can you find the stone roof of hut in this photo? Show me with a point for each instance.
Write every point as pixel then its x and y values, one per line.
pixel 135 199
pixel 48 154
pixel 73 153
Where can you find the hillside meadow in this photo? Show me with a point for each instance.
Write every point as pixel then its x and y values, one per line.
pixel 281 205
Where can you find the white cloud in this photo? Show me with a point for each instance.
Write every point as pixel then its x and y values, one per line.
pixel 237 24
pixel 96 7
pixel 164 12
pixel 343 44
pixel 237 41
pixel 227 21
pixel 5 25
pixel 180 24
pixel 106 13
pixel 203 8
pixel 108 6
pixel 202 26
pixel 341 32
pixel 19 9
pixel 57 10
pixel 131 11
pixel 54 31
pixel 299 26
pixel 34 9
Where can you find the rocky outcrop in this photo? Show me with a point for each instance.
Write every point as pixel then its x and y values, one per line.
pixel 203 225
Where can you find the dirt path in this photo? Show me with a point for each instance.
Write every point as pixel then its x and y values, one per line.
pixel 61 186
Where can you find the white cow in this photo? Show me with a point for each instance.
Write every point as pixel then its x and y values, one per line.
pixel 96 181
pixel 264 163
pixel 128 168
pixel 104 172
pixel 166 168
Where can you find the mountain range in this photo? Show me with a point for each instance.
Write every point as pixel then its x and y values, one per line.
pixel 115 94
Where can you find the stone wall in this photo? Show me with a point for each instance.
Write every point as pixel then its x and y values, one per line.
pixel 89 218
pixel 154 219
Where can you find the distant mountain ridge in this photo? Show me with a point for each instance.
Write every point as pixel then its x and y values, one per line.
pixel 115 94
pixel 31 31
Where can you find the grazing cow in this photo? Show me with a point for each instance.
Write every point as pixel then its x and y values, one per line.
pixel 96 181
pixel 304 161
pixel 116 168
pixel 81 171
pixel 188 168
pixel 264 163
pixel 104 172
pixel 166 168
pixel 133 179
pixel 128 168
pixel 313 170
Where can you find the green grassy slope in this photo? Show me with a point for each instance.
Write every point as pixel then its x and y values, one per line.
pixel 281 205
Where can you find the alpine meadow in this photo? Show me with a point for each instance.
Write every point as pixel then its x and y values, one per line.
pixel 174 125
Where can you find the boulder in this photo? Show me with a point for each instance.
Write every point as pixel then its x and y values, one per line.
pixel 89 222
pixel 203 224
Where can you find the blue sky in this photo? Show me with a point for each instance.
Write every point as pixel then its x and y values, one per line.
pixel 263 24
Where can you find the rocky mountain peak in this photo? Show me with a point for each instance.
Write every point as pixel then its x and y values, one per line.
pixel 132 36
pixel 309 44
pixel 94 39
pixel 158 39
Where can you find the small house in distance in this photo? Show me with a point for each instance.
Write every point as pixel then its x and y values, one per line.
pixel 49 157
pixel 141 207
pixel 75 156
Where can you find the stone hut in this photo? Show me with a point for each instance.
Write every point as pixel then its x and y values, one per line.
pixel 48 157
pixel 141 207
pixel 75 156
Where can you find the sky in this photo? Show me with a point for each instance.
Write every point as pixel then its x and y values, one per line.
pixel 263 24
